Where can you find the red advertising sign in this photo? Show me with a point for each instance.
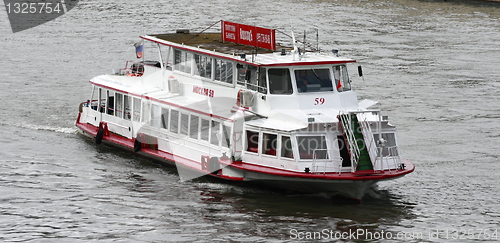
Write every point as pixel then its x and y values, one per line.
pixel 248 35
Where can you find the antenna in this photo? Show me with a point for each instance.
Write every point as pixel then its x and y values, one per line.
pixel 304 41
pixel 317 39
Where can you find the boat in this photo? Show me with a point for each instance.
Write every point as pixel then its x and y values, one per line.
pixel 239 105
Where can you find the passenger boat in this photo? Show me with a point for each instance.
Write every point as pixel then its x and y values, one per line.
pixel 239 106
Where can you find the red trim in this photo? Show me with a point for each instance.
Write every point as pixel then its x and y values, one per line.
pixel 164 102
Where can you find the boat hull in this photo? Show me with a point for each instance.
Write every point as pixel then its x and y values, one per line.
pixel 346 184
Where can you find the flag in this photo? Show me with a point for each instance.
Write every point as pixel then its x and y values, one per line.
pixel 339 85
pixel 138 49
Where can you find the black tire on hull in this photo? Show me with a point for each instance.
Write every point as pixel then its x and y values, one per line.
pixel 98 136
pixel 137 145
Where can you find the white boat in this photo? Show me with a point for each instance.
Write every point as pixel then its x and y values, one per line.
pixel 238 106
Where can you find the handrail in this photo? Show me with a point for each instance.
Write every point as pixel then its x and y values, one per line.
pixel 325 160
pixel 366 130
pixel 348 134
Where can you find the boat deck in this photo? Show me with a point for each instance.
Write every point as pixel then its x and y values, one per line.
pixel 213 42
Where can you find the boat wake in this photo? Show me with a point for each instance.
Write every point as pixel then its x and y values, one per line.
pixel 66 130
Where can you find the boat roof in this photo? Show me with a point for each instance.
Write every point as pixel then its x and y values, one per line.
pixel 212 44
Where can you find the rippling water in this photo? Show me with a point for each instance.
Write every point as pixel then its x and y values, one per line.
pixel 432 64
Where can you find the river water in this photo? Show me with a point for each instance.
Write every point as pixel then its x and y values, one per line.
pixel 433 65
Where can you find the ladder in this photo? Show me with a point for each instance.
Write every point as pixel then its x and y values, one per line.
pixel 353 136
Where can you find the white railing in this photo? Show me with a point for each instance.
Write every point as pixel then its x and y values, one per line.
pixel 348 132
pixel 366 130
pixel 325 164
pixel 391 158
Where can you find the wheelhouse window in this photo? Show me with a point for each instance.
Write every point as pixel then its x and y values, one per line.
pixel 342 82
pixel 313 80
pixel 269 143
pixel 286 147
pixel 312 147
pixel 251 77
pixel 280 81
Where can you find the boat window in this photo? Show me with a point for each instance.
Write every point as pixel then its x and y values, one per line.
pixel 342 82
pixel 390 148
pixel 313 80
pixel 102 100
pixel 127 102
pixel 286 147
pixel 224 71
pixel 204 130
pixel 119 105
pixel 174 121
pixel 203 66
pixel 137 109
pixel 110 107
pixel 155 116
pixel 145 110
pixel 164 118
pixel 249 77
pixel 312 147
pixel 269 144
pixel 280 81
pixel 252 141
pixel 193 126
pixel 184 123
pixel 215 133
pixel 226 131
pixel 182 61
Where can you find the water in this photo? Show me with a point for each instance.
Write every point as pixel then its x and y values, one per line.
pixel 432 64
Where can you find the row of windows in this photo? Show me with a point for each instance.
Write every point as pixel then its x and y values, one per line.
pixel 280 79
pixel 192 125
pixel 269 144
